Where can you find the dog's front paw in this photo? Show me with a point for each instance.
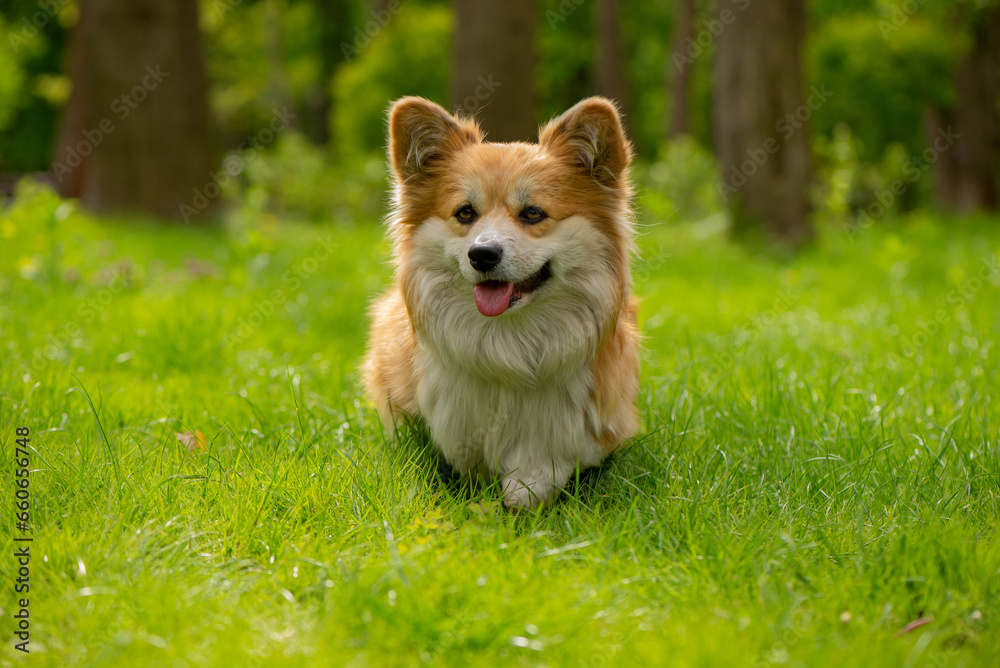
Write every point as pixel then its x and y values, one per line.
pixel 521 494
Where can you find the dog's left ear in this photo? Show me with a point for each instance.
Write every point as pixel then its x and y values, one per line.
pixel 590 136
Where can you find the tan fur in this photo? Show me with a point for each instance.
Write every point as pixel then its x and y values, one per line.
pixel 389 373
pixel 615 371
pixel 549 385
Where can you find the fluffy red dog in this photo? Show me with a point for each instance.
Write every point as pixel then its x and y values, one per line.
pixel 510 330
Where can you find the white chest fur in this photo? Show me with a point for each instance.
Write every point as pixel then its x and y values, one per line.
pixel 534 436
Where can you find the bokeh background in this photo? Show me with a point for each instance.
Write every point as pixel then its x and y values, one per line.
pixel 193 109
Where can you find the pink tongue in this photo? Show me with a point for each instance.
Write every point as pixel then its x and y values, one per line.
pixel 493 297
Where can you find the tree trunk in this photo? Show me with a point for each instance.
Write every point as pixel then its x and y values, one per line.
pixel 75 117
pixel 968 172
pixel 761 118
pixel 135 134
pixel 335 34
pixel 679 70
pixel 493 66
pixel 610 66
pixel 278 90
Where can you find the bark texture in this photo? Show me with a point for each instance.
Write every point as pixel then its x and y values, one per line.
pixel 761 118
pixel 679 70
pixel 135 135
pixel 968 173
pixel 611 82
pixel 494 63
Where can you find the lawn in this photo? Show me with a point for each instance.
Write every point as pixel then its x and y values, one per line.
pixel 818 466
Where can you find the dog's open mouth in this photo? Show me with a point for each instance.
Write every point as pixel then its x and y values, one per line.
pixel 495 297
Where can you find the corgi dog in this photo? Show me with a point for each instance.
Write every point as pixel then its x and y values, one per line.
pixel 510 329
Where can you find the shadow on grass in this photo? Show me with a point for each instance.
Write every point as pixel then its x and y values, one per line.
pixel 614 485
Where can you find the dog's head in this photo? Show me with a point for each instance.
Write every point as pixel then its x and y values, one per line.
pixel 497 231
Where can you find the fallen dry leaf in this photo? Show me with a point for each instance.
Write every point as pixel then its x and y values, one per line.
pixel 915 624
pixel 192 440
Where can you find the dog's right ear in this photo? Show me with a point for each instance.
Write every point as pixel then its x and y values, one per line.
pixel 421 133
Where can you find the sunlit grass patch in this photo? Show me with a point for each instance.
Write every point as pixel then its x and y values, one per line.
pixel 808 480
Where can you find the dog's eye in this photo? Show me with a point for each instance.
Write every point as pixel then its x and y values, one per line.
pixel 465 214
pixel 532 214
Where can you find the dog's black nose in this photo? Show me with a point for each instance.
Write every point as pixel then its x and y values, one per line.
pixel 484 258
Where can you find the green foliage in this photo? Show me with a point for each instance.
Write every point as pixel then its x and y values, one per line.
pixel 245 83
pixel 647 29
pixel 886 69
pixel 31 85
pixel 236 65
pixel 567 47
pixel 29 235
pixel 848 187
pixel 11 77
pixel 411 55
pixel 567 65
pixel 821 11
pixel 882 80
pixel 565 73
pixel 682 185
pixel 296 179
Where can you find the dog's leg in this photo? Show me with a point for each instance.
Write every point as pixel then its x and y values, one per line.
pixel 529 486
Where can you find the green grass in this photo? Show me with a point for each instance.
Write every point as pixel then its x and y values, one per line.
pixel 807 482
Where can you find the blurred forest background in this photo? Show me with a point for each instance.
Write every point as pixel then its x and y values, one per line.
pixel 774 115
